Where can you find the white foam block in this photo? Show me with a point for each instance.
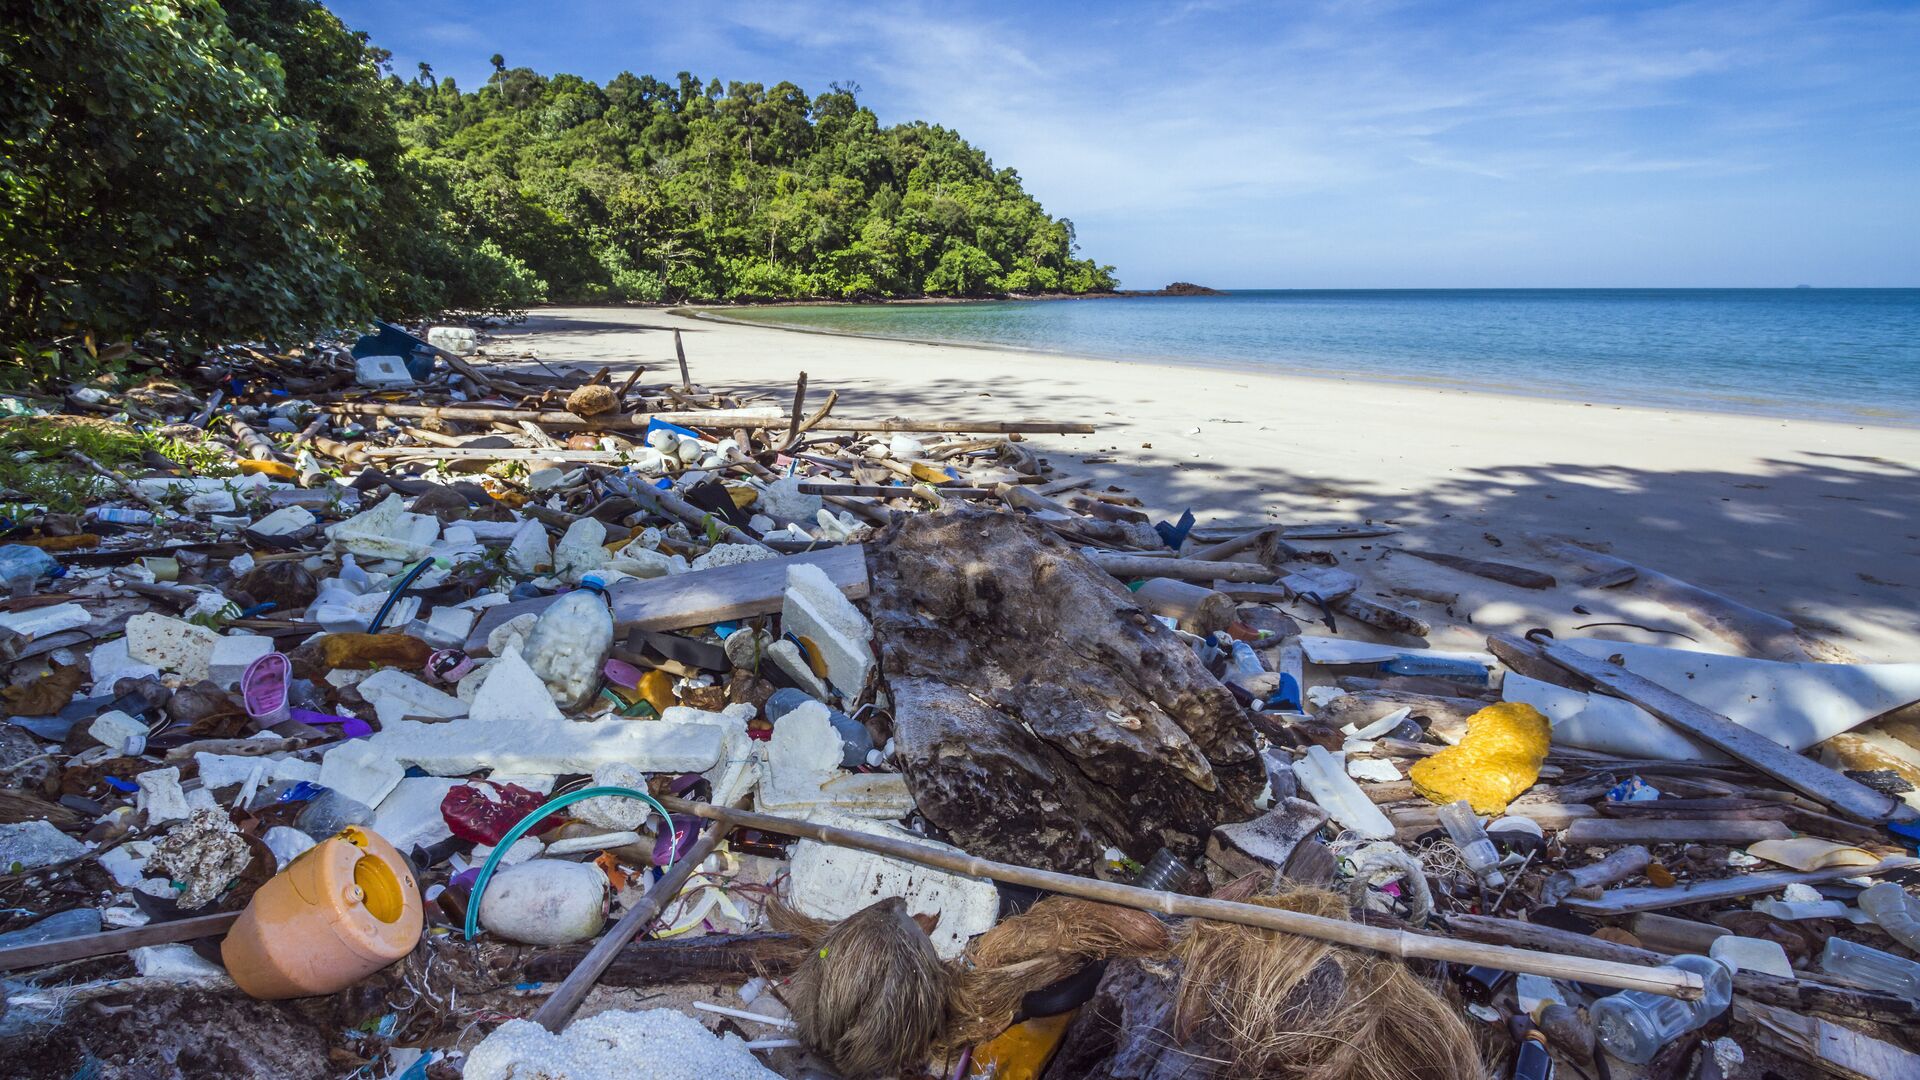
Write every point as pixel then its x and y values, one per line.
pixel 360 770
pixel 816 610
pixel 171 644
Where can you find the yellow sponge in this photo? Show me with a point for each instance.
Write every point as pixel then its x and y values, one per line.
pixel 1499 758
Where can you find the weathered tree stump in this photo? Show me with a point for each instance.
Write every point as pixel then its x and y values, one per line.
pixel 1040 714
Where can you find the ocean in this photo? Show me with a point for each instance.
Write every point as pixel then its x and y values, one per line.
pixel 1834 354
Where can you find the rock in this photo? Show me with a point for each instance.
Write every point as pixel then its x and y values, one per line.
pixel 593 400
pixel 1039 714
pixel 31 844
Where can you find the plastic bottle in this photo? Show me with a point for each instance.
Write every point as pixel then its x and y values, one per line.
pixel 21 566
pixel 330 812
pixel 1634 1024
pixel 122 515
pixel 569 645
pixel 1871 967
pixel 1895 911
pixel 1243 664
pixel 1463 825
pixel 1164 872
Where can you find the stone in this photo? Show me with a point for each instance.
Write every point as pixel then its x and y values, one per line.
pixel 815 609
pixel 31 844
pixel 1040 715
pixel 360 770
pixel 171 645
pixel 232 654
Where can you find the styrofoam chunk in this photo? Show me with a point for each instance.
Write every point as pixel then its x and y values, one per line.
pixel 815 609
pixel 360 770
pixel 113 728
pixel 396 695
pixel 550 747
pixel 171 644
pixel 513 692
pixel 231 656
pixel 834 883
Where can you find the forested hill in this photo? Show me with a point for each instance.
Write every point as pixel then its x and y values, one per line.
pixel 644 189
pixel 212 170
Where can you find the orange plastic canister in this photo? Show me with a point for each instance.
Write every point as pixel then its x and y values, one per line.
pixel 339 912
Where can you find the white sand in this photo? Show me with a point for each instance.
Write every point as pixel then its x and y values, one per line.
pixel 1815 521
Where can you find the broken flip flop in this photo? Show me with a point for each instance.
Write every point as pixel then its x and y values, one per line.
pixel 263 687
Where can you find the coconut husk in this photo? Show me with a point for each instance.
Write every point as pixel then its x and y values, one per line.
pixel 1301 1009
pixel 593 400
pixel 1045 944
pixel 871 996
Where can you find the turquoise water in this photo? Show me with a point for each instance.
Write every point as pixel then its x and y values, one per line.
pixel 1843 354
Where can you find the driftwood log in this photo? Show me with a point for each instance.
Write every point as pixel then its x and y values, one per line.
pixel 1040 714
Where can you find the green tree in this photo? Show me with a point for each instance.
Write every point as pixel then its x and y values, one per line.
pixel 148 181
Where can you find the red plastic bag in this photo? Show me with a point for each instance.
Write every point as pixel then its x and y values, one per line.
pixel 482 816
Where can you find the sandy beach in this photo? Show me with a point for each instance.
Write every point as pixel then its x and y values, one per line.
pixel 1816 521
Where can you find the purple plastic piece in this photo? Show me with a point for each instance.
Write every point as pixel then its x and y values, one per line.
pixel 351 726
pixel 263 687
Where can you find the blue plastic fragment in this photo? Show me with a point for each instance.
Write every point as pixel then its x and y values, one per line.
pixel 1176 534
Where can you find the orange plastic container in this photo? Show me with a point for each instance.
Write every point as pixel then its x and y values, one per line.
pixel 339 912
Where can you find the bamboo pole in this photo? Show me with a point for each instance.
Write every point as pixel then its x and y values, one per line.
pixel 1665 981
pixel 703 418
pixel 1149 566
pixel 558 1009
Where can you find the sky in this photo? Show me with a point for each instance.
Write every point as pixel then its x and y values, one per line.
pixel 1346 144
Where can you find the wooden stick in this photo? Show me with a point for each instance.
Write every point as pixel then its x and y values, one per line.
pixel 799 407
pixel 680 352
pixel 1669 982
pixel 114 941
pixel 810 422
pixel 999 427
pixel 1808 777
pixel 119 481
pixel 1150 566
pixel 708 958
pixel 669 502
pixel 892 491
pixel 565 1001
pixel 1628 901
pixel 700 418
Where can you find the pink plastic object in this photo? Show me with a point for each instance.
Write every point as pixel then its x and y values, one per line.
pixel 263 686
pixel 621 673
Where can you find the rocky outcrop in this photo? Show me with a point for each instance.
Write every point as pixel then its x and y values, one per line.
pixel 1040 716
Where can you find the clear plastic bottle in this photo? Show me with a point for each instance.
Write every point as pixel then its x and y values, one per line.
pixel 1897 912
pixel 569 645
pixel 1634 1024
pixel 329 812
pixel 1463 825
pixel 1871 967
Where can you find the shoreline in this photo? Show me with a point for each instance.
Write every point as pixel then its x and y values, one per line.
pixel 1816 521
pixel 1785 411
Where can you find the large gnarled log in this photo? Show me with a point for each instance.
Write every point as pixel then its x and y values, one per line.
pixel 1040 714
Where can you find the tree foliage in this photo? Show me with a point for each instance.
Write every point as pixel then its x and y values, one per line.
pixel 149 180
pixel 212 171
pixel 645 189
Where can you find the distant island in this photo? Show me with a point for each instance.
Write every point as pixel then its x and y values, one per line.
pixel 1178 288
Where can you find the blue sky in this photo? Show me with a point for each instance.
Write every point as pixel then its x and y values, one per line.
pixel 1353 144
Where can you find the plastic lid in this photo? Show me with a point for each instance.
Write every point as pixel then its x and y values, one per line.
pixel 595 582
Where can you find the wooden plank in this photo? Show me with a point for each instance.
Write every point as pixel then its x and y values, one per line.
pixel 1674 831
pixel 1151 566
pixel 1827 1046
pixel 114 941
pixel 1628 901
pixel 699 598
pixel 1802 774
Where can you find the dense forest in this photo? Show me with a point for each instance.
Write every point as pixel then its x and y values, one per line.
pixel 246 168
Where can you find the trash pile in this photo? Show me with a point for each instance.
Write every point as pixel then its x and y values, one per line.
pixel 400 710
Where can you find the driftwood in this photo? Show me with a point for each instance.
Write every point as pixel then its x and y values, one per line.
pixel 709 958
pixel 1616 867
pixel 1505 573
pixel 1601 831
pixel 1834 1049
pixel 115 941
pixel 1628 901
pixel 1039 713
pixel 1385 618
pixel 1802 774
pixel 1149 566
